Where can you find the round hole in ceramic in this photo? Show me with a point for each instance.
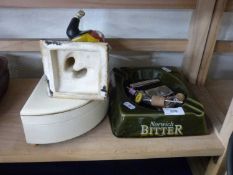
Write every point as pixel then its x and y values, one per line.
pixel 69 63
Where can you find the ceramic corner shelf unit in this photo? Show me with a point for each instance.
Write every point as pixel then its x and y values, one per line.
pixel 50 120
pixel 76 69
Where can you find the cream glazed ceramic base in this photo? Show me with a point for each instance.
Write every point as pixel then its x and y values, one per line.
pixel 76 69
pixel 50 120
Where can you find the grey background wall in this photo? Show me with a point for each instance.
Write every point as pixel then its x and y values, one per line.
pixel 52 23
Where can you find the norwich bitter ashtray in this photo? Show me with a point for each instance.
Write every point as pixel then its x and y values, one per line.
pixel 153 102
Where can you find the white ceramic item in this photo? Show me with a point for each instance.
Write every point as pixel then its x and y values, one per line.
pixel 50 120
pixel 76 69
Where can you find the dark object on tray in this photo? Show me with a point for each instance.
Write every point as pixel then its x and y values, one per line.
pixel 4 75
pixel 137 116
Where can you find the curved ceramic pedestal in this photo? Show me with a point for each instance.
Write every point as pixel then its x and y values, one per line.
pixel 50 120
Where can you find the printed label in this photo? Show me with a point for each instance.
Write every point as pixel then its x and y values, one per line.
pixel 166 69
pixel 129 105
pixel 173 111
pixel 161 129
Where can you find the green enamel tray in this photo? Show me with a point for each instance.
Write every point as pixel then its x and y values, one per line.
pixel 129 119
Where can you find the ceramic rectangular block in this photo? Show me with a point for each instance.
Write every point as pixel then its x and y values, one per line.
pixel 76 69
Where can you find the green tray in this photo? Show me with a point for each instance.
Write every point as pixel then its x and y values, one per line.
pixel 142 121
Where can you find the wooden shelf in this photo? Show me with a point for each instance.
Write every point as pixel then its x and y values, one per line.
pixel 98 144
pixel 124 4
pixel 128 4
pixel 118 44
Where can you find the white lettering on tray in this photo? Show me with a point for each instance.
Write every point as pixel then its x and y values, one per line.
pixel 161 129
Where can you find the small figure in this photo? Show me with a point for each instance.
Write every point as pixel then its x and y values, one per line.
pixel 76 35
